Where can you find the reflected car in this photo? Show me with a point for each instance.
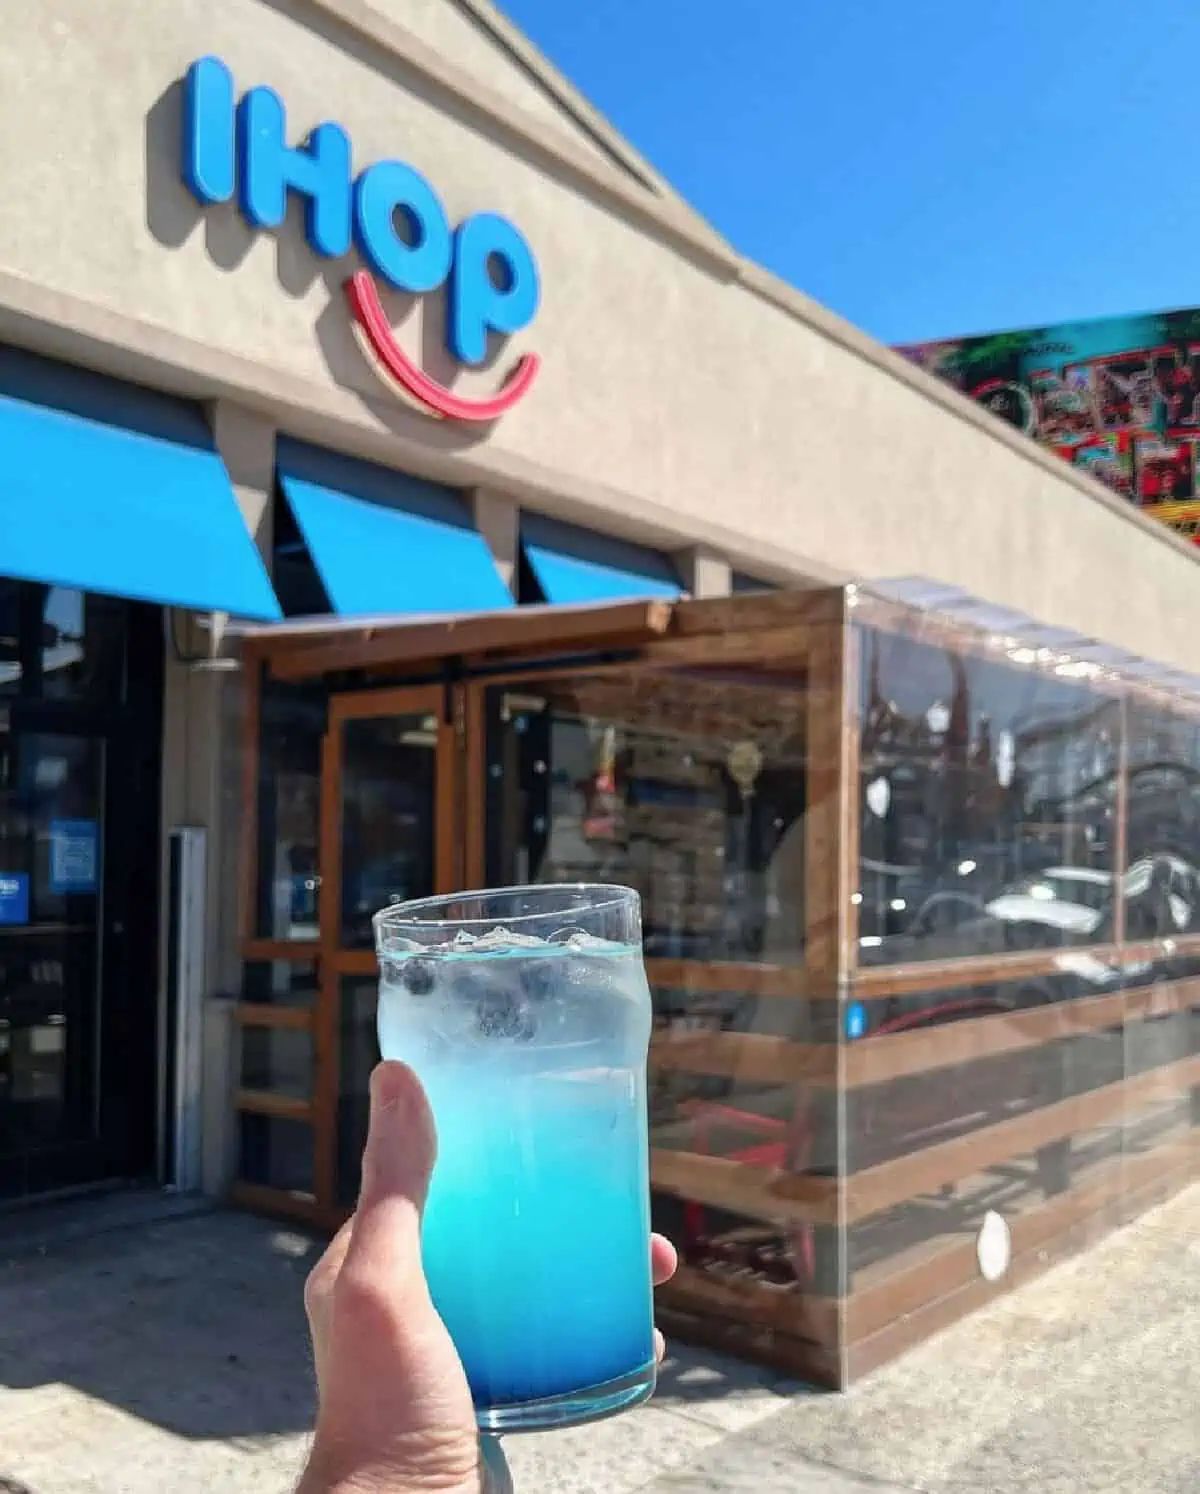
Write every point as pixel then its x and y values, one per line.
pixel 1057 907
pixel 1069 910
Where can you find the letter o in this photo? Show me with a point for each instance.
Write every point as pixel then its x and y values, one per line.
pixel 379 192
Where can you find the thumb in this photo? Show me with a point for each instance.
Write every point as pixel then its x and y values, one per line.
pixel 385 1239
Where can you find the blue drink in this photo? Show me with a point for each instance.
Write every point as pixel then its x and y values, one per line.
pixel 529 1032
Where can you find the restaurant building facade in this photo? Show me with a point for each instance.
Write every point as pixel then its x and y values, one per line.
pixel 359 315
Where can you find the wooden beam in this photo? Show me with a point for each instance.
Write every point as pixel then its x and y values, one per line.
pixel 728 978
pixel 259 1014
pixel 626 623
pixel 893 1289
pixel 283 951
pixel 749 1057
pixel 949 1286
pixel 924 1049
pixel 878 983
pixel 278 1107
pixel 276 1203
pixel 888 1184
pixel 767 1193
pixel 786 1308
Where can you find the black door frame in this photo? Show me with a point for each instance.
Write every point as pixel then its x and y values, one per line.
pixel 126 1146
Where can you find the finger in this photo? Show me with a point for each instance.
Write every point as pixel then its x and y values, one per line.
pixel 323 1275
pixel 385 1240
pixel 660 1347
pixel 664 1259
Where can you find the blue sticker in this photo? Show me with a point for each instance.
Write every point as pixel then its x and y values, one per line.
pixel 14 898
pixel 856 1020
pixel 74 856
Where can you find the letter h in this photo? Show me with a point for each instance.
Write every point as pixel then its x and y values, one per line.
pixel 268 168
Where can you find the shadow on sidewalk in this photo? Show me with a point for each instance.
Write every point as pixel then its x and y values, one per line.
pixel 692 1378
pixel 195 1325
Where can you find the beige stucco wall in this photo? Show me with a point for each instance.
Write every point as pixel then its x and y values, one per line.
pixel 684 397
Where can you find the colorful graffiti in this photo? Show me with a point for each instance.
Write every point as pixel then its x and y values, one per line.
pixel 1119 398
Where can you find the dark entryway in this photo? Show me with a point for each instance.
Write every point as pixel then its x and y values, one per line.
pixel 80 744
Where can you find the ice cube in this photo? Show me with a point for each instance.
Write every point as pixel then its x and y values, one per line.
pixel 494 997
pixel 540 977
pixel 502 939
pixel 567 936
pixel 505 1016
pixel 396 944
pixel 577 938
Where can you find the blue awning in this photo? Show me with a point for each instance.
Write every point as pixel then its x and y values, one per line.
pixel 109 488
pixel 386 543
pixel 574 565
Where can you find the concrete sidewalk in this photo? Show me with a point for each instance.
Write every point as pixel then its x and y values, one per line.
pixel 172 1355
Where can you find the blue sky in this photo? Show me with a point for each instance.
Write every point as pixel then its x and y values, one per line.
pixel 925 167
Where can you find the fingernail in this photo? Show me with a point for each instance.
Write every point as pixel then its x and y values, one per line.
pixel 400 1135
pixel 391 1082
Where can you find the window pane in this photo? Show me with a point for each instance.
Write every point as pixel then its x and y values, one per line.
pixel 289 794
pixel 57 643
pixel 278 1059
pixel 280 983
pixel 11 671
pixel 988 805
pixel 275 1153
pixel 389 770
pixel 1162 874
pixel 358 1055
pixel 51 875
pixel 81 644
pixel 687 786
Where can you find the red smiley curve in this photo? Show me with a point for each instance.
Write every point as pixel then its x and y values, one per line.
pixel 367 312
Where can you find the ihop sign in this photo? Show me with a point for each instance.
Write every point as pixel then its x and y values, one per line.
pixel 393 216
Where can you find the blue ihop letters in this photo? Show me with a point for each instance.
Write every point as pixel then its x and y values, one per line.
pixel 241 148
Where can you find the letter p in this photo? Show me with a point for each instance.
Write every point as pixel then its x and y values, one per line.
pixel 493 285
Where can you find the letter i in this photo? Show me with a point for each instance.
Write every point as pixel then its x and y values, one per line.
pixel 208 130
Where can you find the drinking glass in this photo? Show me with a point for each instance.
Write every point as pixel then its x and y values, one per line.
pixel 527 1016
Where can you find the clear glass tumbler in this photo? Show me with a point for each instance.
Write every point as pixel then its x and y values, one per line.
pixel 527 1016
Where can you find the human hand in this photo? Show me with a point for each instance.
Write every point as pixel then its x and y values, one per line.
pixel 394 1408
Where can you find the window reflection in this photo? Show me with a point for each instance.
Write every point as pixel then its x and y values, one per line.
pixel 57 643
pixel 291 730
pixel 689 787
pixel 280 983
pixel 1163 823
pixel 276 1153
pixel 389 797
pixel 988 806
pixel 358 1053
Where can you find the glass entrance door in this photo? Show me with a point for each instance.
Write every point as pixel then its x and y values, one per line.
pixel 80 733
pixel 385 822
pixel 56 1131
pixel 388 836
pixel 51 885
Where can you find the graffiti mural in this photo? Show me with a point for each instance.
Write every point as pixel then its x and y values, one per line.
pixel 1119 398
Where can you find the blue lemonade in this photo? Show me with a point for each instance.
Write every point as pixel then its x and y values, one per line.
pixel 536 1231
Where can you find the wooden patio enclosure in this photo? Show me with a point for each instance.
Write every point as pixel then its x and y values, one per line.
pixel 922 920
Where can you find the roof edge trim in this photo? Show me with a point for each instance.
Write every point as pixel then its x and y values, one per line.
pixel 489 110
